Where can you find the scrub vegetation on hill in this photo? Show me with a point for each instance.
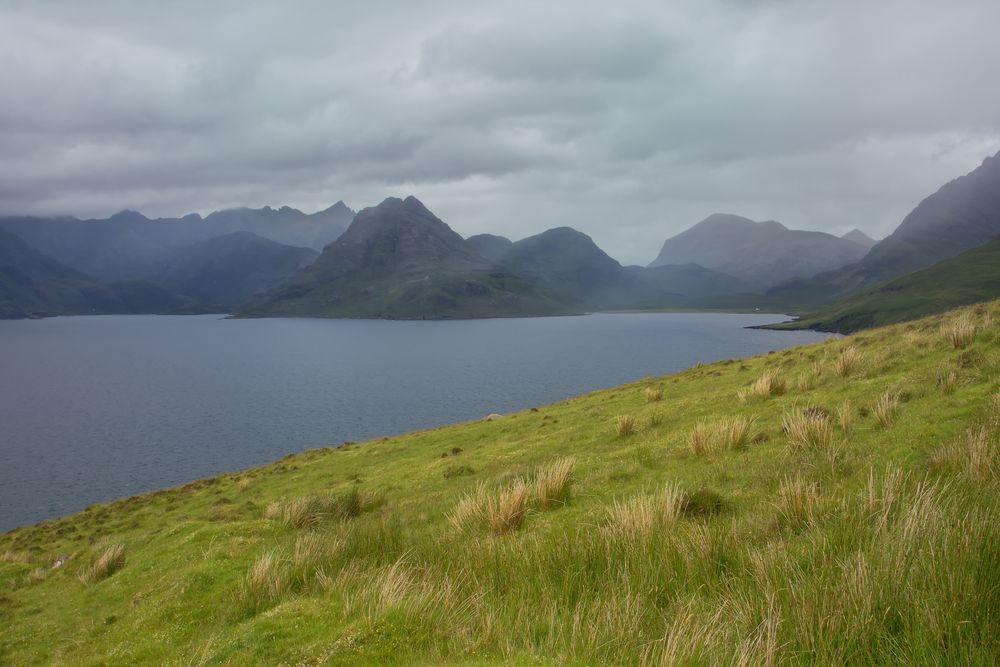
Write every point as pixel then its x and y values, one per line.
pixel 829 504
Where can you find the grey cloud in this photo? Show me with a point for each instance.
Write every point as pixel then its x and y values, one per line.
pixel 628 121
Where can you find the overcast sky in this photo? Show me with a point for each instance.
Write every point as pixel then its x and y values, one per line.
pixel 627 120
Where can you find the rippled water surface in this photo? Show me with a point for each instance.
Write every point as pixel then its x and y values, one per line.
pixel 94 408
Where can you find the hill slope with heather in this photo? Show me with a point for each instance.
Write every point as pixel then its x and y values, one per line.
pixel 829 504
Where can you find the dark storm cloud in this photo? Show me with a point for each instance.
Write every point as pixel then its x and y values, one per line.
pixel 628 121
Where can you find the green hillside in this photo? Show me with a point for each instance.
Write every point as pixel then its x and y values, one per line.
pixel 830 504
pixel 971 277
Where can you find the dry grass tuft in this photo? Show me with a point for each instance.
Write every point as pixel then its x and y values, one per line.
pixel 307 512
pixel 264 583
pixel 974 455
pixel 310 511
pixel 502 511
pixel 243 483
pixel 735 433
pixel 960 331
pixel 844 416
pixel 700 439
pixel 552 483
pixel 798 504
pixel 640 516
pixel 109 562
pixel 948 381
pixel 624 425
pixel 768 384
pixel 508 512
pixel 884 409
pixel 848 361
pixel 655 419
pixel 470 512
pixel 981 456
pixel 807 430
pixel 15 557
pixel 35 576
pixel 273 510
pixel 654 394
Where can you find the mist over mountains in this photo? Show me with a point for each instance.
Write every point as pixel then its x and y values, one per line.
pixel 399 260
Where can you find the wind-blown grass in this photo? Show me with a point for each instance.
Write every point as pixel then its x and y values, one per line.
pixel 800 536
pixel 110 561
pixel 807 430
pixel 959 331
pixel 552 483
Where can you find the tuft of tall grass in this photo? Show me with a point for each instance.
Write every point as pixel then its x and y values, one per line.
pixel 654 394
pixel 9 556
pixel 470 512
pixel 884 409
pixel 948 381
pixel 807 430
pixel 310 511
pixel 552 483
pixel 700 440
pixel 502 510
pixel 110 561
pixel 845 416
pixel 508 512
pixel 848 360
pixel 959 331
pixel 737 432
pixel 639 517
pixel 734 433
pixel 624 425
pixel 768 384
pixel 974 455
pixel 797 504
pixel 264 583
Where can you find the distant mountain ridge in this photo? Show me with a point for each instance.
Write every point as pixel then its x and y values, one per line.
pixel 33 285
pixel 859 237
pixel 213 260
pixel 961 215
pixel 762 254
pixel 287 225
pixel 115 248
pixel 398 260
pixel 570 265
pixel 970 277
pixel 228 270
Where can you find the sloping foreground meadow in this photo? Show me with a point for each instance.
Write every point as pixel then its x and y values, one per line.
pixel 832 504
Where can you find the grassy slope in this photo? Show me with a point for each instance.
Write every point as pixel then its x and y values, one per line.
pixel 971 277
pixel 880 546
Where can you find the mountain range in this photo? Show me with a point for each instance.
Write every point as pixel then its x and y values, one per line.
pixel 970 277
pixel 33 285
pixel 961 215
pixel 398 260
pixel 763 254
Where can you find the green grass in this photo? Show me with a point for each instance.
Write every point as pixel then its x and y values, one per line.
pixel 543 537
pixel 968 278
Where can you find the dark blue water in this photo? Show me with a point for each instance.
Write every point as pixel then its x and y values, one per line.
pixel 95 408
